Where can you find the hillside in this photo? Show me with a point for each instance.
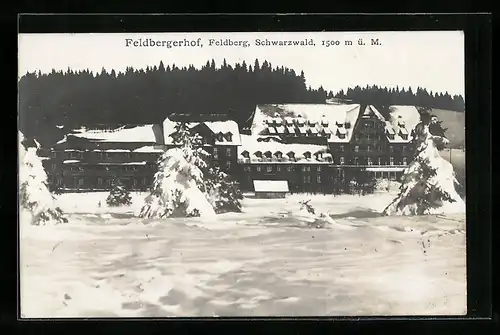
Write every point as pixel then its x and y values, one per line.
pixel 455 122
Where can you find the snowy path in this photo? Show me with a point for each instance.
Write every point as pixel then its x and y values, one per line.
pixel 247 264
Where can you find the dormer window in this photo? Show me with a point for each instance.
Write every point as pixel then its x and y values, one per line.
pixel 220 137
pixel 278 154
pixel 229 136
pixel 291 154
pixel 268 154
pixel 347 125
pixel 245 154
pixel 401 123
pixel 307 155
pixel 339 124
pixel 258 154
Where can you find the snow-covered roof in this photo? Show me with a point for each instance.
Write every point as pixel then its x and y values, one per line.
pixel 254 148
pixel 149 149
pixel 371 109
pixel 71 161
pixel 216 127
pixel 406 117
pixel 308 118
pixel 270 186
pixel 142 133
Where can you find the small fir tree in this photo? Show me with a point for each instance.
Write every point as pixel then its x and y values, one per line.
pixel 119 194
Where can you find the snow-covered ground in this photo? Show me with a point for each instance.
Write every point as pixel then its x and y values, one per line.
pixel 262 262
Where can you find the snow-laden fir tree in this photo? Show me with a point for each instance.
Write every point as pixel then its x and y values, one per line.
pixel 119 194
pixel 223 192
pixel 185 185
pixel 37 204
pixel 428 184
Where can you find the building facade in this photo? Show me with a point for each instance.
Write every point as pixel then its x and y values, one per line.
pixel 89 159
pixel 312 147
pixel 316 147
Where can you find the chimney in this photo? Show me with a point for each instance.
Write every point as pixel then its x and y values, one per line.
pixel 158 131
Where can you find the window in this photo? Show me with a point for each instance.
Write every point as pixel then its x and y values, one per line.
pixel 368 148
pixel 259 168
pixel 318 169
pixel 379 161
pixel 404 148
pixel 79 154
pixel 228 164
pixel 144 181
pixel 108 182
pixel 247 169
pixel 304 168
pixel 318 179
pixel 307 179
pixel 391 148
pixel 80 182
pixel 341 160
pixel 53 166
pixel 356 148
pixel 289 168
pixel 99 181
pixel 342 148
pixel 269 169
pixel 356 161
pixel 367 136
pixel 53 154
pixel 278 168
pixel 405 162
pixel 134 182
pixel 228 152
pixel 370 161
pixel 391 160
pixel 216 153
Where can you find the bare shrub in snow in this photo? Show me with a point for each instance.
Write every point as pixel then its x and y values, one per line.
pixel 37 204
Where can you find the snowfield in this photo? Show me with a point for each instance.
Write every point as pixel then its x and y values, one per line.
pixel 265 261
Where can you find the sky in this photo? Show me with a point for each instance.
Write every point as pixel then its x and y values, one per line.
pixel 432 60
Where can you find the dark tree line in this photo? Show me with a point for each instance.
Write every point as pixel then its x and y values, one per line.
pixel 75 98
pixel 376 95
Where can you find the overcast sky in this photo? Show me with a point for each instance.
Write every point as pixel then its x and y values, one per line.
pixel 434 60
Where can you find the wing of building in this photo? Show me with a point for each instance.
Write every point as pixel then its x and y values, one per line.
pixel 311 145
